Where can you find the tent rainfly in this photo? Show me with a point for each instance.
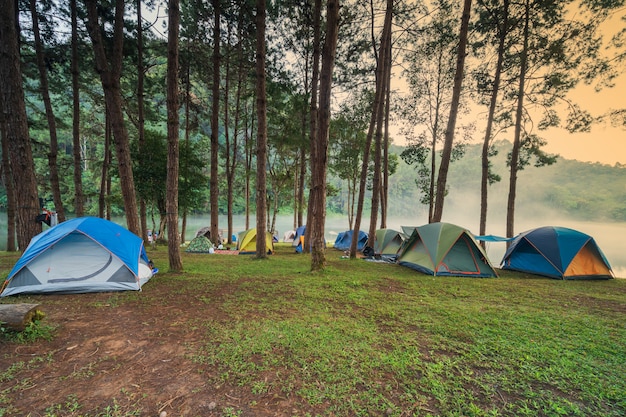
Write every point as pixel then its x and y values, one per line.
pixel 388 242
pixel 200 244
pixel 86 254
pixel 445 249
pixel 298 238
pixel 344 240
pixel 557 252
pixel 246 242
pixel 289 236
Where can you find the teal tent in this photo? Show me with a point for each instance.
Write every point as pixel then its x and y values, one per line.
pixel 388 242
pixel 445 249
pixel 344 240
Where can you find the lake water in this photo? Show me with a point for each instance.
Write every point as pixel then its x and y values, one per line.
pixel 609 236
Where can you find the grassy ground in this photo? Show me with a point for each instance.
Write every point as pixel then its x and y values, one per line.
pixel 367 338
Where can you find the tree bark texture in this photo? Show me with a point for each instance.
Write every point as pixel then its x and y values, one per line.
pixel 214 180
pixel 16 128
pixel 454 110
pixel 6 177
pixel 171 200
pixel 484 179
pixel 261 141
pixel 510 208
pixel 318 175
pixel 313 113
pixel 143 221
pixel 18 316
pixel 110 71
pixel 52 125
pixel 106 163
pixel 79 198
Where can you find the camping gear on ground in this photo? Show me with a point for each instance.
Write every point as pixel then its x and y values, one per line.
pixel 388 242
pixel 246 242
pixel 86 254
pixel 557 252
pixel 344 240
pixel 200 244
pixel 444 249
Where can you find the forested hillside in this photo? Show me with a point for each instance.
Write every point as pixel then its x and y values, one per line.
pixel 580 190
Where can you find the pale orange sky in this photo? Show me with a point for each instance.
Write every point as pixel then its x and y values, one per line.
pixel 604 143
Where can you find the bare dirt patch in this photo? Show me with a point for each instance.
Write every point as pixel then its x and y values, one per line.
pixel 132 357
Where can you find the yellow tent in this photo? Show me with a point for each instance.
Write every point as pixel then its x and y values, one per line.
pixel 246 242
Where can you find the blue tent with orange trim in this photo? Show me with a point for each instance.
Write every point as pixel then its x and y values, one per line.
pixel 557 252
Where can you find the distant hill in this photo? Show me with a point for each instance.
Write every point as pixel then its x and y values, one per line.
pixel 578 190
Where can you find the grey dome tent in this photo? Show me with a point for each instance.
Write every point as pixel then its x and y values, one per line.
pixel 86 254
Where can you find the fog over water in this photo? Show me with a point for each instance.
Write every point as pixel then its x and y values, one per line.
pixel 609 236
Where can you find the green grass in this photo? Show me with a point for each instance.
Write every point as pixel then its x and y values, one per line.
pixel 364 338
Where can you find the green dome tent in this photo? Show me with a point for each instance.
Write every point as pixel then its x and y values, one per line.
pixel 200 244
pixel 445 249
pixel 388 242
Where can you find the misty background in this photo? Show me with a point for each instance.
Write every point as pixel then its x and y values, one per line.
pixel 588 197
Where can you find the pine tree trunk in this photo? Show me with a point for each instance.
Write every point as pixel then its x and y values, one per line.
pixel 214 180
pixel 106 161
pixel 484 179
pixel 313 111
pixel 318 176
pixel 248 173
pixel 52 127
pixel 261 145
pixel 171 201
pixel 79 198
pixel 385 185
pixel 110 73
pixel 510 208
pixel 454 109
pixel 385 50
pixel 13 109
pixel 378 102
pixel 301 181
pixel 143 221
pixel 7 178
pixel 232 148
